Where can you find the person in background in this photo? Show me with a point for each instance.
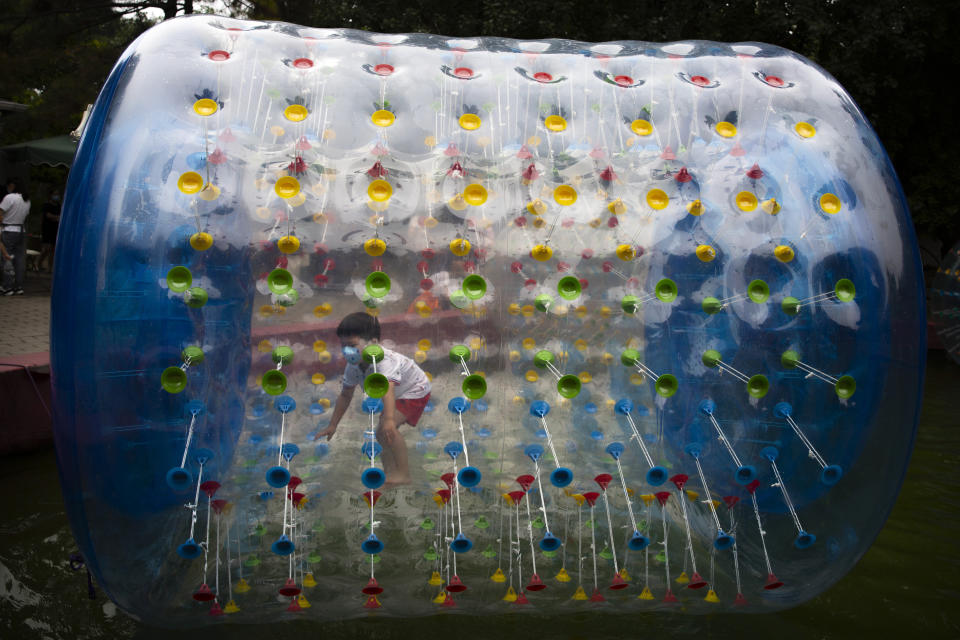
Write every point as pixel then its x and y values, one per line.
pixel 14 209
pixel 51 223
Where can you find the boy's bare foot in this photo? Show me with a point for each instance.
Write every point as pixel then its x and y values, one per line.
pixel 395 481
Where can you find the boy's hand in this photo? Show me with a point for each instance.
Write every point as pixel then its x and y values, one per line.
pixel 329 431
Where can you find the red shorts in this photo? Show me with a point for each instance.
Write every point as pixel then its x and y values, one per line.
pixel 412 408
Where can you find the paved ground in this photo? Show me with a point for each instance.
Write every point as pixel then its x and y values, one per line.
pixel 25 320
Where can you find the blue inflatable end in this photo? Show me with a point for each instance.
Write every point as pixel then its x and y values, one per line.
pixel 373 478
pixel 277 477
pixel 179 479
pixel 289 450
pixel 656 476
pixel 550 542
pixel 372 545
pixel 189 550
pixel 372 405
pixel 831 474
pixel 561 477
pixel 638 541
pixel 770 453
pixel 469 477
pixel 693 449
pixel 804 540
pixel 707 407
pixel 283 546
pixel 723 541
pixel 745 474
pixel 461 544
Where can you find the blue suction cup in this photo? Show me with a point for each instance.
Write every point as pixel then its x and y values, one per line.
pixel 285 404
pixel 550 542
pixel 458 405
pixel 289 450
pixel 373 478
pixel 539 409
pixel 277 477
pixel 461 544
pixel 782 409
pixel 656 476
pixel 831 474
pixel 189 550
pixel 723 541
pixel 804 540
pixel 638 541
pixel 372 545
pixel 372 405
pixel 745 474
pixel 561 477
pixel 623 407
pixel 370 449
pixel 179 479
pixel 282 546
pixel 202 456
pixel 533 451
pixel 615 449
pixel 469 477
pixel 453 449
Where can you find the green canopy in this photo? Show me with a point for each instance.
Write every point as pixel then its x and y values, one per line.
pixel 55 151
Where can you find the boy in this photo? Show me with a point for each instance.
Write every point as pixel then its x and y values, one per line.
pixel 404 402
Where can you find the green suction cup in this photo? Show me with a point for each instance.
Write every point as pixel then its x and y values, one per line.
pixel 543 302
pixel 459 299
pixel 790 306
pixel 569 288
pixel 758 385
pixel 844 290
pixel 173 379
pixel 179 279
pixel 666 385
pixel 789 359
pixel 288 299
pixel 378 284
pixel 280 281
pixel 630 304
pixel 474 386
pixel 568 386
pixel 195 297
pixel 192 355
pixel 542 358
pixel 758 291
pixel 845 386
pixel 373 353
pixel 711 306
pixel 274 382
pixel 282 355
pixel 666 290
pixel 711 358
pixel 459 351
pixel 474 287
pixel 376 385
pixel 629 357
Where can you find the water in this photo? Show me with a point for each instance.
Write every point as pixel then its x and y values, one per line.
pixel 905 584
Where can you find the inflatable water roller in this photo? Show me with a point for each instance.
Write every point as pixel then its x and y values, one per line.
pixel 667 297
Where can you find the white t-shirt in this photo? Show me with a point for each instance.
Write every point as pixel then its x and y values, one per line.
pixel 15 209
pixel 408 379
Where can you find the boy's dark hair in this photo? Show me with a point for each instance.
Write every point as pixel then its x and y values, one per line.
pixel 360 324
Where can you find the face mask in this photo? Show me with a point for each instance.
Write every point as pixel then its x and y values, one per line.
pixel 352 354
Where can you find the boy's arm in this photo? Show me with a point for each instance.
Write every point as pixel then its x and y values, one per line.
pixel 340 408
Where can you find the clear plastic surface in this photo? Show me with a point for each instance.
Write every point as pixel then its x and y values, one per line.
pixel 667 295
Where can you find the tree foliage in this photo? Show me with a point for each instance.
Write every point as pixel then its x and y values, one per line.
pixel 896 58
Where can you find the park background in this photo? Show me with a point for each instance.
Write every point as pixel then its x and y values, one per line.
pixel 898 60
